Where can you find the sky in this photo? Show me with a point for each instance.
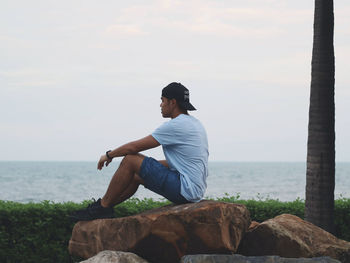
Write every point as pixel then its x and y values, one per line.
pixel 78 78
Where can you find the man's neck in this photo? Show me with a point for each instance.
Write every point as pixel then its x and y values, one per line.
pixel 178 112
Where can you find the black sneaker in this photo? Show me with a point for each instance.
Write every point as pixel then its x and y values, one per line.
pixel 93 211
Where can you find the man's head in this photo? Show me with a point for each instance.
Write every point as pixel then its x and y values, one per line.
pixel 180 93
pixel 175 100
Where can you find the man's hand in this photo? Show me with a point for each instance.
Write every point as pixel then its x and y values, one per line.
pixel 104 160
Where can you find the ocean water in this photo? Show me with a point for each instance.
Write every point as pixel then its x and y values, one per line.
pixel 78 181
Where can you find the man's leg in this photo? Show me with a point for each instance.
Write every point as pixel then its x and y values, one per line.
pixel 122 186
pixel 125 181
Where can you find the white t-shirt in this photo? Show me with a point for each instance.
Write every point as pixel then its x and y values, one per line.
pixel 185 145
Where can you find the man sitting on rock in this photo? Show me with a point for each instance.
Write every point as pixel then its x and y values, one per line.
pixel 181 178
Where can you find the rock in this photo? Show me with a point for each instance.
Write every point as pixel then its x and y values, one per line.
pixel 109 256
pixel 165 234
pixel 289 236
pixel 253 225
pixel 243 259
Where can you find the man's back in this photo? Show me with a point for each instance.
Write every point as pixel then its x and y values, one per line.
pixel 185 146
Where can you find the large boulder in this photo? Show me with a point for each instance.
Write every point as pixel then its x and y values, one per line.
pixel 165 234
pixel 108 256
pixel 243 259
pixel 289 236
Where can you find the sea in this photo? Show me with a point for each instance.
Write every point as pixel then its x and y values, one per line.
pixel 60 182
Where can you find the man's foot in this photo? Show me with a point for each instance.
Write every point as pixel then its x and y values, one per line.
pixel 93 211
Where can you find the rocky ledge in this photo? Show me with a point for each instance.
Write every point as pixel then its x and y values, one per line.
pixel 127 257
pixel 289 236
pixel 243 259
pixel 167 233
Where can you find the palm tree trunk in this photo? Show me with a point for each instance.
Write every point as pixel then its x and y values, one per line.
pixel 320 174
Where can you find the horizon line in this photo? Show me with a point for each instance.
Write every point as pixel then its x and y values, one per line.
pixel 218 161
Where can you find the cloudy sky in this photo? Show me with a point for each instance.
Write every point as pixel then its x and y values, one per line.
pixel 80 77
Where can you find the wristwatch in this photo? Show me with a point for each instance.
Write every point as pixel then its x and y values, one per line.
pixel 107 154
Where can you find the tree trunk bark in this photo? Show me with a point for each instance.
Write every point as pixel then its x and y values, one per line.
pixel 320 174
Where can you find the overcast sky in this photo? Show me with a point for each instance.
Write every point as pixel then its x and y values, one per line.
pixel 80 77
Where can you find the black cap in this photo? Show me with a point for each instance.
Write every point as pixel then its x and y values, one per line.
pixel 179 92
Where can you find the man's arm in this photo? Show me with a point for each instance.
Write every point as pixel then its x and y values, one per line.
pixel 130 148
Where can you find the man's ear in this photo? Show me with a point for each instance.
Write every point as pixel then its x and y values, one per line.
pixel 173 102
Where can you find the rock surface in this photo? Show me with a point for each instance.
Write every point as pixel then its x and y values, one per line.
pixel 243 259
pixel 289 236
pixel 165 234
pixel 108 256
pixel 253 225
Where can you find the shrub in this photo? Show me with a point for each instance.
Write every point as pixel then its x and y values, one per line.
pixel 261 210
pixel 40 232
pixel 342 218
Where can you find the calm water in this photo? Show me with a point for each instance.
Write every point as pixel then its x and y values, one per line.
pixel 78 181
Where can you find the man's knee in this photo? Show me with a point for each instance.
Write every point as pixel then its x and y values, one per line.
pixel 133 161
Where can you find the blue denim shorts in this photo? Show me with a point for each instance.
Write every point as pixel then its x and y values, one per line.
pixel 162 180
